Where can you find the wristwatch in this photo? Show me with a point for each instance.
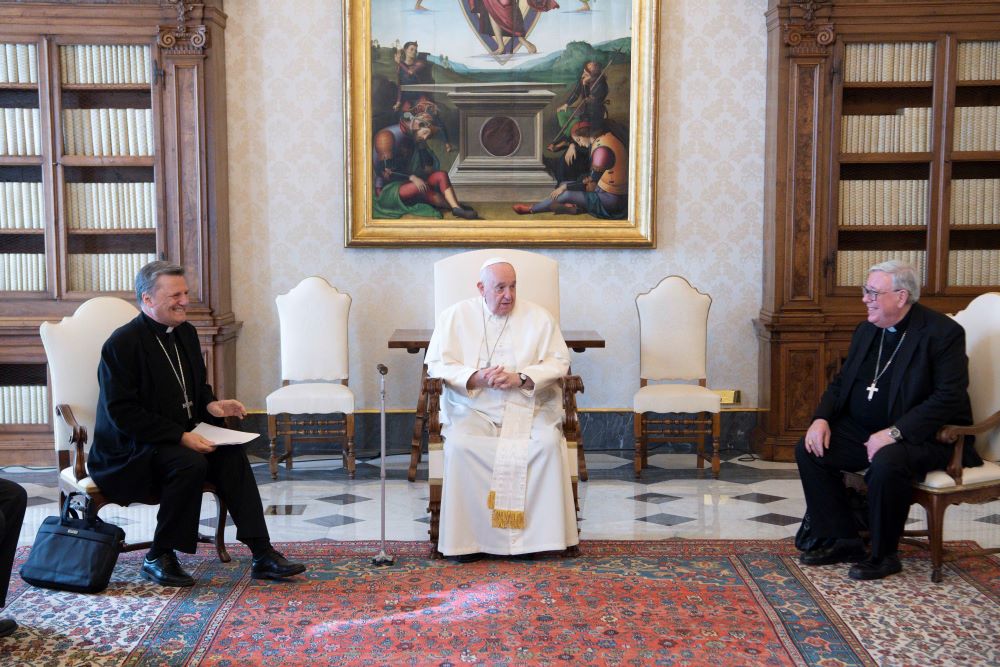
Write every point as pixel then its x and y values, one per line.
pixel 895 434
pixel 524 378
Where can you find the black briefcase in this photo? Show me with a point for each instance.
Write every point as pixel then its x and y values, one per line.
pixel 73 554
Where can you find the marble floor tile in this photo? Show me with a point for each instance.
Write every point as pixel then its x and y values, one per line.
pixel 316 500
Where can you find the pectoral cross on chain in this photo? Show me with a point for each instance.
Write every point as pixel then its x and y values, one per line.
pixel 871 390
pixel 187 406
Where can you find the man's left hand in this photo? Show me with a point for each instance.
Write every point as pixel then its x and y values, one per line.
pixel 227 408
pixel 501 379
pixel 877 441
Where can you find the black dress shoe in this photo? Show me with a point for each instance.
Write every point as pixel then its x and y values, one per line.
pixel 469 558
pixel 843 551
pixel 273 565
pixel 8 626
pixel 876 568
pixel 166 571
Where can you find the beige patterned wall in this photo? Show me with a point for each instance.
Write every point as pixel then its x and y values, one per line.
pixel 287 190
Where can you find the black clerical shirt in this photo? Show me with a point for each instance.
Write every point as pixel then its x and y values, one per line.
pixel 174 409
pixel 873 415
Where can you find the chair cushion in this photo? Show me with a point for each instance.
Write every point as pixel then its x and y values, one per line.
pixel 676 398
pixel 85 485
pixel 939 479
pixel 311 398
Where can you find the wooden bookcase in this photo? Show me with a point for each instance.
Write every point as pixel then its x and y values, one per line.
pixel 113 154
pixel 883 141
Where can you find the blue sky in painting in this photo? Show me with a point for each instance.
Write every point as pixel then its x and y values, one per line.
pixel 445 30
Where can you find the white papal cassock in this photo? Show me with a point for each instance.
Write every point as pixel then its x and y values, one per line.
pixel 468 337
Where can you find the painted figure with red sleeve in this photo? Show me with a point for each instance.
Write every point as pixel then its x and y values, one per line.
pixel 408 175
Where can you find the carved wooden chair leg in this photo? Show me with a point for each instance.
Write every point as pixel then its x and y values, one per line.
pixel 935 535
pixel 640 454
pixel 419 427
pixel 349 461
pixel 272 430
pixel 716 445
pixel 699 442
pixel 581 461
pixel 286 425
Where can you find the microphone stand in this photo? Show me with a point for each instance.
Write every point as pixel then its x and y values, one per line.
pixel 382 558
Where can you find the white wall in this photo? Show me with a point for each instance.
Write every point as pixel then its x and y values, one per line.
pixel 285 106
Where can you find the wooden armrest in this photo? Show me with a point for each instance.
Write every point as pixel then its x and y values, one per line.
pixel 78 439
pixel 571 384
pixel 433 388
pixel 955 435
pixel 950 433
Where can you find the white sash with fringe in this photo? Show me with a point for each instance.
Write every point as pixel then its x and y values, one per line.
pixel 508 487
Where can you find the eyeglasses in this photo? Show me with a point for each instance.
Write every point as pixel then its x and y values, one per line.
pixel 868 292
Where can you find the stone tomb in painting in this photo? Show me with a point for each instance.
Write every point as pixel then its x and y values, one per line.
pixel 500 141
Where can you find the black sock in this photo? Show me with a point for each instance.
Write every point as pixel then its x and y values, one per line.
pixel 259 546
pixel 155 552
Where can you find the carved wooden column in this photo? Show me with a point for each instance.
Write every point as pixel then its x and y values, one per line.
pixel 191 74
pixel 791 327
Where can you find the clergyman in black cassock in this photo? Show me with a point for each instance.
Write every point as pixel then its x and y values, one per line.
pixel 906 375
pixel 13 503
pixel 153 391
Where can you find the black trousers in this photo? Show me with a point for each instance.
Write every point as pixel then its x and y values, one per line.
pixel 180 472
pixel 13 502
pixel 889 476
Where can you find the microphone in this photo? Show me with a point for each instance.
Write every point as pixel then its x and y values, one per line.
pixel 381 368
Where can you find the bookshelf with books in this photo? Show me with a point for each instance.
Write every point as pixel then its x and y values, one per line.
pixel 974 207
pixel 112 154
pixel 107 170
pixel 882 143
pixel 22 225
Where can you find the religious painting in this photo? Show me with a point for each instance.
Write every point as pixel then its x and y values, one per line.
pixel 500 122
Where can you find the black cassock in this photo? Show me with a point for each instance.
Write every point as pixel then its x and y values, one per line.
pixel 141 416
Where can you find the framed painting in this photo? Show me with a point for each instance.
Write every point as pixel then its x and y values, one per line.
pixel 500 122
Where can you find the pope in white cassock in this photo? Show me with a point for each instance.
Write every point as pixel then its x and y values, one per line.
pixel 506 487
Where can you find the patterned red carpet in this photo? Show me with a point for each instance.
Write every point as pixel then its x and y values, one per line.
pixel 683 602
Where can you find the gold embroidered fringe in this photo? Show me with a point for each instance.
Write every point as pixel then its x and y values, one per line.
pixel 504 518
pixel 508 519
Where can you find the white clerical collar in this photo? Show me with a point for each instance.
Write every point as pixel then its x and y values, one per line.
pixel 489 314
pixel 169 329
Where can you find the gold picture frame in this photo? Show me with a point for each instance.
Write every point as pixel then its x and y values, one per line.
pixel 373 76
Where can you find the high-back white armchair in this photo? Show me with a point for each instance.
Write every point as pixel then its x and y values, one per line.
pixel 941 488
pixel 313 319
pixel 537 277
pixel 673 352
pixel 73 350
pixel 455 279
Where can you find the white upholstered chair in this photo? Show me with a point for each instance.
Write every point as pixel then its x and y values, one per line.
pixel 940 488
pixel 314 369
pixel 673 352
pixel 73 350
pixel 454 280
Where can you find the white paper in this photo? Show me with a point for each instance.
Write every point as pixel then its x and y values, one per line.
pixel 223 436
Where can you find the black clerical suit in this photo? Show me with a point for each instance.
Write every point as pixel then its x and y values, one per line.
pixel 141 417
pixel 925 388
pixel 13 502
